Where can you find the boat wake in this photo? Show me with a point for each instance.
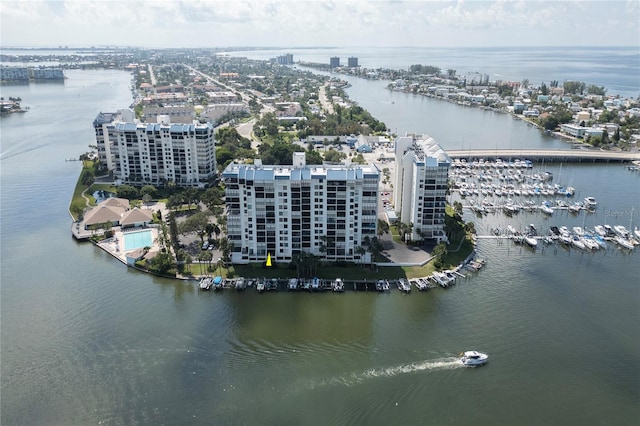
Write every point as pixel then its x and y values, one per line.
pixel 354 379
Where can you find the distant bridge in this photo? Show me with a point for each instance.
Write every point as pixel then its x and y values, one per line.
pixel 546 155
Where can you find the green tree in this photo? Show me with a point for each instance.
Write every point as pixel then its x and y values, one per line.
pixel 127 191
pixel 334 156
pixel 149 190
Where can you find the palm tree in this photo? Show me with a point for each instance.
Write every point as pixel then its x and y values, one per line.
pixel 360 251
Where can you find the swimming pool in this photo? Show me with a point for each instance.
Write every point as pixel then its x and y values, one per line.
pixel 138 239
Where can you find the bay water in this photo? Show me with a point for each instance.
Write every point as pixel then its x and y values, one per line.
pixel 84 340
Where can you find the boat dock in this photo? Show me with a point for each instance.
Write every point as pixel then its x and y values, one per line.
pixel 437 279
pixel 548 155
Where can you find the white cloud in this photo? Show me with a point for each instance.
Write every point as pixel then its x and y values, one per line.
pixel 314 23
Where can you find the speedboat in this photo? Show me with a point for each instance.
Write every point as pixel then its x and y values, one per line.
pixel 473 358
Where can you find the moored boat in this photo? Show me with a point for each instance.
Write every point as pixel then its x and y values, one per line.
pixel 531 241
pixel 621 231
pixel 338 285
pixel 217 283
pixel 205 283
pixel 546 209
pixel 403 285
pixel 241 284
pixel 577 243
pixel 590 202
pixel 623 243
pixel 293 284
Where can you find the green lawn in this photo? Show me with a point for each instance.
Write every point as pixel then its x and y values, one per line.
pixel 351 272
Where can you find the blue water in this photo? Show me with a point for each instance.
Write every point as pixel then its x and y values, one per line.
pixel 138 239
pixel 616 68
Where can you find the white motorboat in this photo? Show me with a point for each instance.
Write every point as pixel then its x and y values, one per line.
pixel 589 242
pixel 577 243
pixel 566 239
pixel 621 231
pixel 338 285
pixel 206 283
pixel 293 284
pixel 590 202
pixel 624 243
pixel 600 230
pixel 473 358
pixel 546 209
pixel 240 284
pixel 531 241
pixel 403 285
pixel 577 230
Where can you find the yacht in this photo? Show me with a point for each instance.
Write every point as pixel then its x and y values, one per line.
pixel 473 358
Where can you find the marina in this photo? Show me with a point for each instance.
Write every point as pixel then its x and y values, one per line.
pixel 88 341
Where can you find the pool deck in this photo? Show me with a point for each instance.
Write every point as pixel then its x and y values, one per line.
pixel 115 245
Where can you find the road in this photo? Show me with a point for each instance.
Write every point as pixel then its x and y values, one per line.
pixel 324 101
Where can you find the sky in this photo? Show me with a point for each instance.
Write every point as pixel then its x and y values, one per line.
pixel 334 23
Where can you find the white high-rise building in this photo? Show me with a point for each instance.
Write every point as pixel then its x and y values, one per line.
pixel 155 153
pixel 420 192
pixel 329 211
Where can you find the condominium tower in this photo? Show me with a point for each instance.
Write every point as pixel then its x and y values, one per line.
pixel 158 154
pixel 420 190
pixel 325 210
